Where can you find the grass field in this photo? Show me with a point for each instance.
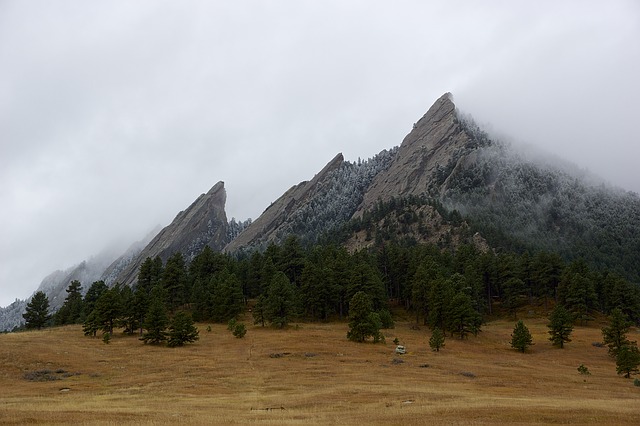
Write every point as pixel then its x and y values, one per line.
pixel 310 374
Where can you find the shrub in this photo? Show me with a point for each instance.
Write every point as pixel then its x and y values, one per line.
pixel 239 330
pixel 636 382
pixel 106 338
pixel 582 369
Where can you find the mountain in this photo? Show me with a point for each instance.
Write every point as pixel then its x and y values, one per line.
pixel 448 183
pixel 203 223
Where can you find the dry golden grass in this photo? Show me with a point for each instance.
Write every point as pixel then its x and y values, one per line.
pixel 324 379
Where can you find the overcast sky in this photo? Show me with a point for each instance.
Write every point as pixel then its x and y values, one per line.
pixel 115 115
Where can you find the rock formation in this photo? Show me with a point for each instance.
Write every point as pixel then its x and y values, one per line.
pixel 203 223
pixel 266 228
pixel 432 143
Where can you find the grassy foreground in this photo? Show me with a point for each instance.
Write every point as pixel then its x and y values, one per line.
pixel 313 375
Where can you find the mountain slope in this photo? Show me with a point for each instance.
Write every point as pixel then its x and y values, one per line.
pixel 203 223
pixel 313 208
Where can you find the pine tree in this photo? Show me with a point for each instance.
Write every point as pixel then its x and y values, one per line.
pixel 560 326
pixel 437 340
pixel 93 294
pixel 461 317
pixel 156 321
pixel 521 338
pixel 227 298
pixel 91 324
pixel 37 311
pixel 615 335
pixel 628 360
pixel 363 321
pixel 174 280
pixel 512 293
pixel 280 303
pixel 259 311
pixel 108 309
pixel 182 330
pixel 71 311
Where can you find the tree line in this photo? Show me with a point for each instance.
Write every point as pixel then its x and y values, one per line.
pixel 452 290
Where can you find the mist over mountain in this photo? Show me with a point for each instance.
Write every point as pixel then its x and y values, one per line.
pixel 447 183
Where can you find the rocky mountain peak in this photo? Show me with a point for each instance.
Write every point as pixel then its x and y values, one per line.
pixel 274 222
pixel 433 143
pixel 203 223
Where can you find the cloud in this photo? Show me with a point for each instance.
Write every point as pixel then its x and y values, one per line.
pixel 116 115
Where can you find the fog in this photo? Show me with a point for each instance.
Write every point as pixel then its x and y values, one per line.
pixel 116 115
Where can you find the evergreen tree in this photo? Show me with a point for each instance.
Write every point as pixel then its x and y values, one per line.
pixel 182 330
pixel 71 311
pixel 156 320
pixel 461 317
pixel 521 337
pixel 628 360
pixel 291 259
pixel 363 321
pixel 318 291
pixel 91 324
pixel 512 295
pixel 615 335
pixel 37 311
pixel 139 307
pixel 108 309
pixel 259 310
pixel 440 295
pixel 227 298
pixel 280 303
pixel 365 277
pixel 578 295
pixel 93 294
pixel 437 339
pixel 560 326
pixel 174 281
pixel 146 278
pixel 426 273
pixel 129 317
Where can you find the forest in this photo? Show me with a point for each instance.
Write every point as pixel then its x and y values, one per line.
pixel 453 290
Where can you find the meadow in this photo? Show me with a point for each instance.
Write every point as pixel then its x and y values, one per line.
pixel 311 374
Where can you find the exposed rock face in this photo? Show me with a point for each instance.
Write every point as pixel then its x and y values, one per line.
pixel 432 143
pixel 203 223
pixel 266 228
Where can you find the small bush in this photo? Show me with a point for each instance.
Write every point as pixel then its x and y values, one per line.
pixel 239 330
pixel 636 382
pixel 396 341
pixel 41 376
pixel 582 369
pixel 106 338
pixel 598 344
pixel 468 374
pixel 208 329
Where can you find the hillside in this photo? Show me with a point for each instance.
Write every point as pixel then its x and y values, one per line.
pixel 318 378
